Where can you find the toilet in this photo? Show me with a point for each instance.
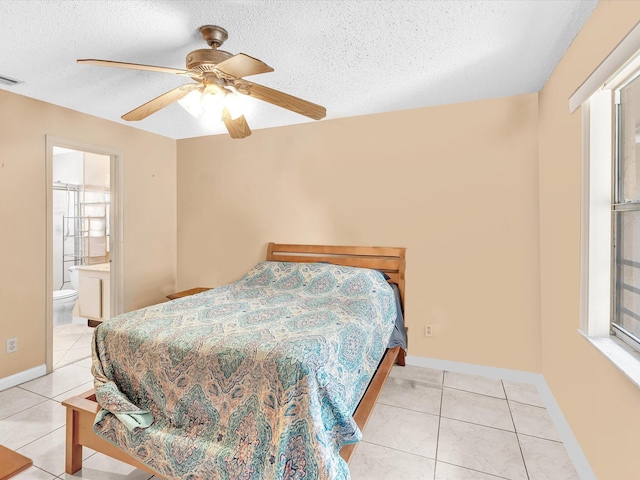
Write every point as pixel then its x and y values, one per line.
pixel 63 303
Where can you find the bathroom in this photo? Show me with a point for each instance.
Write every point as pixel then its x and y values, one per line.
pixel 81 251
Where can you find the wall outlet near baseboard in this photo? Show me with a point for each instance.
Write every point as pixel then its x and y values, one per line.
pixel 428 330
pixel 12 345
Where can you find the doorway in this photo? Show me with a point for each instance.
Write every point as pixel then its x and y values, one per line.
pixel 84 246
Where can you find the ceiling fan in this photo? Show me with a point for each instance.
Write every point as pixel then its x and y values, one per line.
pixel 219 75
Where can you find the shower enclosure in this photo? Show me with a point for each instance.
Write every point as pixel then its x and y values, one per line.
pixel 81 229
pixel 81 210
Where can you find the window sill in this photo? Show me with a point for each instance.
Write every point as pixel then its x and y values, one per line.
pixel 626 359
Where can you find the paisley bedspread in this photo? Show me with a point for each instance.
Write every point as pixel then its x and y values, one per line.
pixel 257 379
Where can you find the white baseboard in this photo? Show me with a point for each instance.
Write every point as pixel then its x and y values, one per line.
pixel 574 451
pixel 21 377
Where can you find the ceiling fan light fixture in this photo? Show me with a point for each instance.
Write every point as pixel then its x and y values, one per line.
pixel 208 104
pixel 191 103
pixel 234 104
pixel 212 106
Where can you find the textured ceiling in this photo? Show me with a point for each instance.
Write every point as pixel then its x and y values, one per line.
pixel 353 57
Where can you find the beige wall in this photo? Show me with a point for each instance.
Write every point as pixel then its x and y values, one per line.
pixel 456 185
pixel 149 216
pixel 600 404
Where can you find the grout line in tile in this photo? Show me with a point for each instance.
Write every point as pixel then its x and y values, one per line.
pixel 67 348
pixel 529 435
pixel 50 398
pixel 62 393
pixel 480 424
pixel 77 362
pixel 22 446
pixel 439 422
pixel 42 469
pixel 70 363
pixel 488 378
pixel 525 403
pixel 409 409
pixel 77 340
pixel 46 471
pixel 88 457
pixel 35 393
pixel 397 449
pixel 475 393
pixel 59 362
pixel 526 470
pixel 473 470
pixel 540 438
pixel 26 408
pixel 26 444
pixel 405 408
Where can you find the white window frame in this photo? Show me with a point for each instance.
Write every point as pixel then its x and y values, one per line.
pixel 630 74
pixel 598 170
pixel 596 259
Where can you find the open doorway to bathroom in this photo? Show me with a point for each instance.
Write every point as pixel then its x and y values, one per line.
pixel 81 270
pixel 83 237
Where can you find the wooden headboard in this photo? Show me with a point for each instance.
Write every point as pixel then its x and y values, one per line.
pixel 390 260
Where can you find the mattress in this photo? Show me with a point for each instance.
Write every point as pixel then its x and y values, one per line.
pixel 257 379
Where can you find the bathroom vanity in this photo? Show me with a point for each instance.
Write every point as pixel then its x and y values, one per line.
pixel 94 284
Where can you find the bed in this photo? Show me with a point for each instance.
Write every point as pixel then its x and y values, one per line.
pixel 311 400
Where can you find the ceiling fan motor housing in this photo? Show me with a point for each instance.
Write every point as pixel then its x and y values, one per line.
pixel 205 60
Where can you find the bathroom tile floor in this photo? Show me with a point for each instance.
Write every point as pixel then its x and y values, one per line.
pixel 71 342
pixel 428 424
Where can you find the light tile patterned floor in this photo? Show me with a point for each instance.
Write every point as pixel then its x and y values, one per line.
pixel 428 424
pixel 71 342
pixel 434 425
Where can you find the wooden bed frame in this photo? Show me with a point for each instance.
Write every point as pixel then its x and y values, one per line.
pixel 82 409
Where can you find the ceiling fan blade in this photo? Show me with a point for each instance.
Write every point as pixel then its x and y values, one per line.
pixel 152 106
pixel 242 65
pixel 133 66
pixel 281 99
pixel 238 128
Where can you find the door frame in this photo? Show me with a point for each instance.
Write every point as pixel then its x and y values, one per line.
pixel 116 227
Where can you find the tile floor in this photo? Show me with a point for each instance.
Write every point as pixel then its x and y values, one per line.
pixel 71 342
pixel 428 424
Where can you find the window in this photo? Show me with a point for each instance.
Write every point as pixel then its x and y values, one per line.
pixel 611 209
pixel 610 199
pixel 625 321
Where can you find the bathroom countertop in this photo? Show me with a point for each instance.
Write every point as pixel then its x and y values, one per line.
pixel 98 267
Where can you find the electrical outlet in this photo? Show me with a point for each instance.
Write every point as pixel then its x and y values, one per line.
pixel 12 345
pixel 428 330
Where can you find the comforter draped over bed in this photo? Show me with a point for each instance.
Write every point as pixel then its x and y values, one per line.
pixel 253 380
